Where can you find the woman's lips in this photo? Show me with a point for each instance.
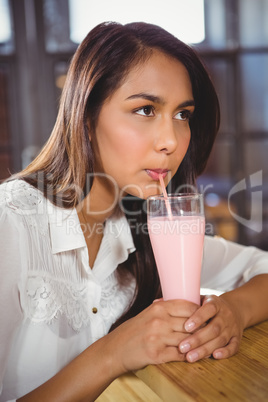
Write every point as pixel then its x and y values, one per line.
pixel 155 173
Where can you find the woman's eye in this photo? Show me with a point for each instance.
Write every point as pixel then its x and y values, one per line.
pixel 145 111
pixel 184 115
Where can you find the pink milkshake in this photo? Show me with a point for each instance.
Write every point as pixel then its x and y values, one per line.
pixel 177 239
pixel 178 248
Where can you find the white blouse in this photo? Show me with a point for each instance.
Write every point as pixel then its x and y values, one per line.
pixel 53 305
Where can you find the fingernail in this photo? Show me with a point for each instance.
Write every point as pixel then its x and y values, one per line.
pixel 217 355
pixel 185 347
pixel 189 325
pixel 207 299
pixel 192 357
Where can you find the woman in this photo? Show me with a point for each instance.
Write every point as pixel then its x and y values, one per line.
pixel 77 287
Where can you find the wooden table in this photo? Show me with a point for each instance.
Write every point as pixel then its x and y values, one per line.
pixel 243 377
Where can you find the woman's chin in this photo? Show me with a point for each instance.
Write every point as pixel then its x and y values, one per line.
pixel 143 194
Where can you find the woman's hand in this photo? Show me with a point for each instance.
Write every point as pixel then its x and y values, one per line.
pixel 153 336
pixel 217 327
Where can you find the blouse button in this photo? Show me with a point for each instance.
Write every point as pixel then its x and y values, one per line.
pixel 94 310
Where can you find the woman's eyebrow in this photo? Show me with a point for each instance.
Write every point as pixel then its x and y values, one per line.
pixel 189 102
pixel 158 99
pixel 146 96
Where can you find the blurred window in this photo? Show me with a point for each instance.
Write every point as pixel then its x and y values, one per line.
pixel 255 154
pixel 215 23
pixel 67 22
pixel 253 22
pixel 56 22
pixel 184 19
pixel 219 164
pixel 254 96
pixel 6 30
pixel 222 75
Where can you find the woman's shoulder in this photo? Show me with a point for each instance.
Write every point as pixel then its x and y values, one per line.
pixel 19 196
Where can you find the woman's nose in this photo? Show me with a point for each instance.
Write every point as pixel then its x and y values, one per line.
pixel 166 138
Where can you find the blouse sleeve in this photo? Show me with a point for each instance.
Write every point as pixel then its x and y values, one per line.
pixel 10 310
pixel 227 265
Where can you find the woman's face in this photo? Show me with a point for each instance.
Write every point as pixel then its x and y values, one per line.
pixel 143 128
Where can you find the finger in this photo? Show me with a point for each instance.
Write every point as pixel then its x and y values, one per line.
pixel 227 351
pixel 177 325
pixel 202 297
pixel 157 300
pixel 204 350
pixel 208 310
pixel 181 308
pixel 172 354
pixel 219 348
pixel 174 338
pixel 170 324
pixel 213 331
pixel 174 308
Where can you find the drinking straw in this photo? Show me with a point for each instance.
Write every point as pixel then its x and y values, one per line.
pixel 170 216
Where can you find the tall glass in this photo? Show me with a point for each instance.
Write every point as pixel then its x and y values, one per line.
pixel 176 227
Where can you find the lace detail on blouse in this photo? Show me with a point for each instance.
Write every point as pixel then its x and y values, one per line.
pixel 57 284
pixel 114 296
pixel 47 298
pixel 26 201
pixel 20 196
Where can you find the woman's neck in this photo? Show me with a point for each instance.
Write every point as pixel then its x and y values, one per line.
pixel 100 203
pixel 93 211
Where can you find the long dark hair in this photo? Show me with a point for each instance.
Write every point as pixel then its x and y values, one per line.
pixel 98 68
